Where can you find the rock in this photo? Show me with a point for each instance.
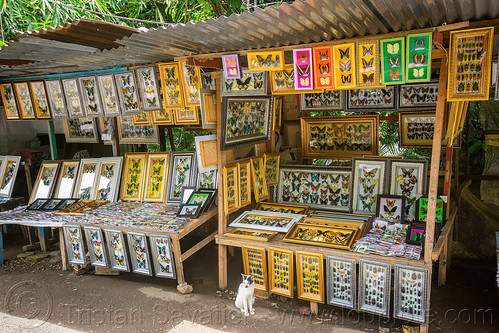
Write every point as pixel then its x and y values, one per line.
pixel 55 253
pixel 38 257
pixel 54 259
pixel 184 288
pixel 25 254
pixel 283 298
pixel 304 310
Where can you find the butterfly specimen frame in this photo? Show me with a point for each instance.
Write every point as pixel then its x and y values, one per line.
pixel 147 84
pixel 255 264
pixel 208 179
pixel 256 235
pixel 183 172
pixel 90 97
pixel 244 182
pixel 73 208
pixel 118 257
pixel 418 96
pixel 416 129
pixel 186 116
pixel 95 245
pixel 139 253
pixel 374 287
pixel 73 99
pixel 55 95
pixel 277 106
pixel 82 130
pixel 323 101
pixel 323 67
pixel 9 101
pixel 281 271
pixel 372 98
pixel 283 82
pixel 251 84
pixel 340 136
pixel 303 69
pixel 191 82
pixel 109 95
pixel 418 60
pixel 170 76
pixel 37 204
pixel 127 92
pixel 408 178
pixel 367 64
pixel 130 134
pixel 190 210
pixel 344 66
pixel 162 117
pixel 271 163
pixel 391 207
pixel 341 281
pixel 393 60
pixel 206 152
pixel 231 188
pixel 67 179
pixel 322 235
pixel 143 119
pixel 45 181
pixel 470 64
pixel 282 208
pixel 24 102
pixel 208 109
pixel 265 61
pixel 422 211
pixel 40 99
pixel 75 247
pixel 416 233
pixel 269 221
pixel 86 181
pixel 156 177
pixel 231 67
pixel 245 121
pixel 204 199
pixel 8 174
pixel 162 256
pixel 411 293
pixel 310 276
pixel 259 179
pixel 132 181
pixel 108 180
pixel 369 178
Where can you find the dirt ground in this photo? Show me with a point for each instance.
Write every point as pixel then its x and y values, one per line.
pixel 135 303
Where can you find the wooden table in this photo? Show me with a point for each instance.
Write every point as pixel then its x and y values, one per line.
pixel 11 204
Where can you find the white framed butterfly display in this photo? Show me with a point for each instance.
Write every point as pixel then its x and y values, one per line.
pixel 108 179
pixel 323 101
pixel 162 256
pixel 148 88
pixel 341 281
pixel 67 179
pixel 127 93
pixel 115 241
pixel 183 171
pixel 208 179
pixel 411 293
pixel 251 83
pixel 139 253
pixel 91 100
pixel 8 174
pixel 372 98
pixel 374 287
pixel 369 176
pixel 74 244
pixel 95 245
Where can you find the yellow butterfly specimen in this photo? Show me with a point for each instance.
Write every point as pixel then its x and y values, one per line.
pixel 418 72
pixel 325 81
pixel 304 81
pixel 393 48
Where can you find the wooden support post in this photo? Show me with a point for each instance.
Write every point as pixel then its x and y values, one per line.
pixel 62 248
pixel 457 200
pixel 177 253
pixel 467 147
pixel 314 308
pixel 162 137
pixel 1 247
pixel 442 265
pixel 43 237
pixel 27 172
pixel 114 140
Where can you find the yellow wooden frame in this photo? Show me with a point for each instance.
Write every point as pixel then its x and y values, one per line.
pixel 190 87
pixel 36 101
pixel 302 293
pixel 258 176
pixel 143 119
pixel 278 75
pixel 269 234
pixel 21 105
pixel 289 237
pixel 150 174
pixel 181 120
pixel 255 64
pixel 240 165
pixel 283 208
pixel 289 292
pixel 267 157
pixel 167 100
pixel 162 117
pixel 9 111
pixel 277 112
pixel 229 208
pixel 126 175
pixel 263 266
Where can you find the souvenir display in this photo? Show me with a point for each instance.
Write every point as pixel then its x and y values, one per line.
pixel 372 98
pixel 9 101
pixel 208 179
pixel 142 119
pixel 66 179
pixel 339 136
pixel 139 253
pixel 162 256
pixel 116 248
pixel 74 208
pixel 208 82
pixel 183 171
pixel 109 95
pixel 206 152
pixel 470 64
pixel 231 67
pixel 108 179
pixel 90 98
pixel 321 235
pixel 331 221
pixel 418 96
pixel 367 69
pixel 303 69
pixel 256 235
pixel 191 83
pixel 156 177
pixel 45 181
pixel 259 180
pixel 187 115
pixel 74 245
pixel 255 264
pixel 418 59
pixel 408 178
pixel 339 216
pixel 416 233
pixel 24 101
pixel 127 92
pixel 40 100
pixel 283 208
pixel 319 187
pixel 281 271
pixel 203 199
pixel 95 245
pixel 266 61
pixel 245 121
pixel 8 174
pixel 268 221
pixel 231 189
pixel 323 67
pixel 283 82
pixel 310 276
pixel 422 211
pixel 411 293
pixel 208 109
pixel 190 210
pixel 416 129
pixel 66 203
pixel 277 105
pixel 170 84
pixel 85 186
pixel 128 133
pixel 374 287
pixel 148 88
pixel 73 99
pixel 37 204
pixel 393 60
pixel 271 163
pixel 211 199
pixel 186 193
pixel 50 204
pixel 369 181
pixel 244 182
pixel 251 83
pixel 391 207
pixel 341 281
pixel 323 101
pixel 56 99
pixel 82 130
pixel 344 66
pixel 132 180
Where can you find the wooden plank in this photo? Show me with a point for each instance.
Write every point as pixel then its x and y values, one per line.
pixel 444 234
pixel 442 265
pixel 197 247
pixel 1 247
pixel 481 207
pixel 62 247
pixel 194 224
pixel 115 145
pixel 43 237
pixel 177 254
pixel 314 308
pixel 27 173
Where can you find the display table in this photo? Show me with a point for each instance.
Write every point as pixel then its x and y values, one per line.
pixel 6 205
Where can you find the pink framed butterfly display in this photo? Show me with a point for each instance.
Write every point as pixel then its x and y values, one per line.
pixel 367 68
pixel 393 60
pixel 304 75
pixel 323 67
pixel 230 63
pixel 419 57
pixel 344 66
pixel 266 61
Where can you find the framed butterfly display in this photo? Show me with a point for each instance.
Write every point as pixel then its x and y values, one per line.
pixel 127 93
pixel 319 187
pixel 369 176
pixel 416 233
pixel 283 208
pixel 277 106
pixel 206 152
pixel 470 64
pixel 250 84
pixel 303 69
pixel 66 180
pixel 418 60
pixel 40 99
pixel 271 162
pixel 244 182
pixel 107 186
pixel 323 67
pixel 411 293
pixel 9 101
pixel 310 276
pixel 143 119
pixel 231 189
pixel 156 177
pixel 95 245
pixel 183 171
pixel 132 181
pixel 55 96
pixel 340 136
pixel 139 253
pixel 266 61
pixel 374 287
pixel 169 74
pixel 283 82
pixel 130 134
pixel 186 116
pixel 269 221
pixel 118 257
pixel 255 264
pixel 259 180
pixel 372 98
pixel 344 66
pixel 208 109
pixel 45 181
pixel 81 130
pixel 208 81
pixel 408 178
pixel 73 99
pixel 393 60
pixel 323 101
pixel 86 181
pixel 24 101
pixel 75 247
pixel 162 256
pixel 208 179
pixel 391 207
pixel 109 95
pixel 281 271
pixel 422 211
pixel 191 81
pixel 341 281
pixel 162 117
pixel 418 96
pixel 231 67
pixel 148 88
pixel 322 235
pixel 190 210
pixel 8 174
pixel 416 129
pixel 245 121
pixel 367 64
pixel 91 100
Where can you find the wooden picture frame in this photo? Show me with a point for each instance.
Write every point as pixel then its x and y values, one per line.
pixel 74 207
pixel 143 119
pixel 310 276
pixel 126 85
pixel 162 256
pixel 66 180
pixel 75 247
pixel 281 271
pixel 190 210
pixel 244 182
pixel 259 179
pixel 86 181
pixel 147 85
pixel 130 134
pixel 90 97
pixel 322 235
pixel 116 248
pixel 250 234
pixel 162 117
pixel 109 95
pixel 339 136
pixel 8 174
pixel 108 181
pixel 344 66
pixel 186 193
pixel 419 96
pixel 372 98
pixel 374 287
pixel 303 69
pixel 277 106
pixel 24 101
pixel 418 61
pixel 208 109
pixel 283 82
pixel 139 253
pixel 271 163
pixel 81 130
pixel 391 207
pixel 341 281
pixel 282 208
pixel 231 189
pixel 206 152
pixel 255 264
pixel 231 67
pixel 45 180
pixel 323 67
pixel 155 184
pixel 416 130
pixel 422 211
pixel 40 99
pixel 133 177
pixel 93 204
pixel 183 172
pixel 393 60
pixel 186 116
pixel 411 293
pixel 56 99
pixel 265 61
pixel 170 77
pixel 191 83
pixel 367 63
pixel 268 221
pixel 95 245
pixel 250 84
pixel 369 180
pixel 73 98
pixel 9 101
pixel 328 100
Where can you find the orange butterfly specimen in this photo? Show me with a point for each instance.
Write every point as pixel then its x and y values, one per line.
pixel 394 75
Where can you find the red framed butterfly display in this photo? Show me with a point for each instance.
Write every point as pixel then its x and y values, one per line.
pixel 419 57
pixel 230 63
pixel 391 207
pixel 367 68
pixel 344 66
pixel 393 60
pixel 304 75
pixel 266 61
pixel 323 67
pixel 251 83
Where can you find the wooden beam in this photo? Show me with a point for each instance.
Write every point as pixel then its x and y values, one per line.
pixel 115 144
pixel 442 264
pixel 62 248
pixel 197 247
pixel 206 63
pixel 444 234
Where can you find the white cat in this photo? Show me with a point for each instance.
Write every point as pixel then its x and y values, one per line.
pixel 246 295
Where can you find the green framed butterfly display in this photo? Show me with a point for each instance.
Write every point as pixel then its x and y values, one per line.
pixel 419 57
pixel 393 60
pixel 252 83
pixel 422 211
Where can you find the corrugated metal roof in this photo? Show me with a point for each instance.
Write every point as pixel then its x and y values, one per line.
pixel 102 46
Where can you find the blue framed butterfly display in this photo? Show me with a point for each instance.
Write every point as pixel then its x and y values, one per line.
pixel 95 244
pixel 323 101
pixel 372 98
pixel 252 83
